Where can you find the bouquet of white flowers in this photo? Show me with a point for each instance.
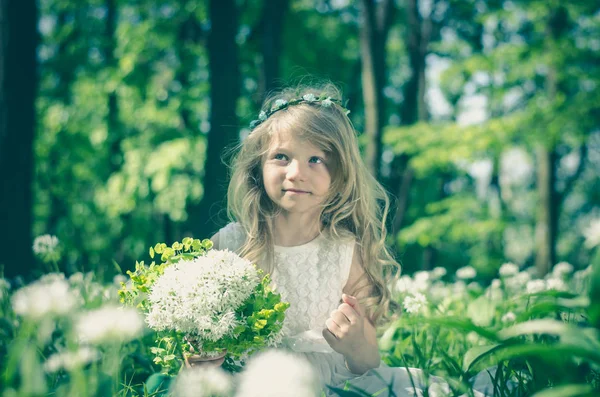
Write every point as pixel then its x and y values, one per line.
pixel 209 300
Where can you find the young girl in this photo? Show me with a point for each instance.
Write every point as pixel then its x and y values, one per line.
pixel 308 211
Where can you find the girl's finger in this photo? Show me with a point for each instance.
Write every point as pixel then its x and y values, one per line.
pixel 350 313
pixel 340 318
pixel 333 328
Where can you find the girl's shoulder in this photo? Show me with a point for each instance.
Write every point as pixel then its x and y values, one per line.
pixel 231 237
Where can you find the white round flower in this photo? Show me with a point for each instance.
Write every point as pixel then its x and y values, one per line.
pixel 592 234
pixel 413 304
pixel 276 373
pixel 534 286
pixel 562 269
pixel 496 284
pixel 556 284
pixel 200 297
pixel 207 381
pixel 45 244
pixel 109 324
pixel 438 272
pixel 508 269
pixel 421 276
pixel 508 317
pixel 71 360
pixel 279 104
pixel 466 273
pixel 309 97
pixel 521 279
pixel 51 295
pixel 327 102
pixel 404 284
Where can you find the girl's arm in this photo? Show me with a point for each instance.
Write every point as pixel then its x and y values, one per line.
pixel 367 355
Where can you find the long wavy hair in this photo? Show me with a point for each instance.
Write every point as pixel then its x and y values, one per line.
pixel 356 204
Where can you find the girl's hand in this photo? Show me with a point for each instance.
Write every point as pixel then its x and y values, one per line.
pixel 345 326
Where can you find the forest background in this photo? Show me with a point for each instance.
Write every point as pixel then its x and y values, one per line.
pixel 481 118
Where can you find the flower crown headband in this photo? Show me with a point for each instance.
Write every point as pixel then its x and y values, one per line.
pixel 325 101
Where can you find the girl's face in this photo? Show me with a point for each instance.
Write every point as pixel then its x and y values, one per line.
pixel 295 175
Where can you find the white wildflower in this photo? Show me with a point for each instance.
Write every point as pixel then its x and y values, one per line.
pixel 109 324
pixel 562 269
pixel 521 279
pixel 404 284
pixel 534 286
pixel 76 278
pixel 327 102
pixel 413 304
pixel 421 276
pixel 309 97
pixel 556 284
pixel 262 116
pixel 119 279
pixel 496 284
pixel 276 373
pixel 45 244
pixel 200 297
pixel 438 272
pixel 439 291
pixel 51 295
pixel 459 288
pixel 592 234
pixel 508 270
pixel 70 361
pixel 466 273
pixel 206 381
pixel 473 338
pixel 508 317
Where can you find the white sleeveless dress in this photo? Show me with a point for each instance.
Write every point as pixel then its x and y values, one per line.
pixel 311 278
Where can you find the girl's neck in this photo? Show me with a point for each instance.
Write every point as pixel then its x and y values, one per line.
pixel 291 230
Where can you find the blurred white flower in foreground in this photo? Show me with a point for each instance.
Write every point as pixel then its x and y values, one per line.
pixel 50 295
pixel 562 269
pixel 276 373
pixel 534 286
pixel 508 269
pixel 592 234
pixel 438 272
pixel 556 284
pixel 109 324
pixel 509 317
pixel 207 381
pixel 413 304
pixel 466 273
pixel 71 360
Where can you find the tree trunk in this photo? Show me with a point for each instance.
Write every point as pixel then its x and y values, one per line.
pixel 273 18
pixel 18 85
pixel 206 218
pixel 546 231
pixel 414 107
pixel 373 36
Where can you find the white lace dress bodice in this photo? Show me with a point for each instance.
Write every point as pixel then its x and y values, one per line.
pixel 311 278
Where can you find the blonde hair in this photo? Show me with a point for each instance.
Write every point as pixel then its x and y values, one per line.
pixel 357 203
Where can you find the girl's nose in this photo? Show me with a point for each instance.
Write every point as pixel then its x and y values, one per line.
pixel 294 170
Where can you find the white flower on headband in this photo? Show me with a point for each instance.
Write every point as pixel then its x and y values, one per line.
pixel 309 97
pixel 327 102
pixel 262 116
pixel 279 104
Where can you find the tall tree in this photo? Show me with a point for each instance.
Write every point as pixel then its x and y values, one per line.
pixel 18 85
pixel 272 22
pixel 377 19
pixel 224 92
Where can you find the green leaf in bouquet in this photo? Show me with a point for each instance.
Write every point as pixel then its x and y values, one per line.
pixel 151 252
pixel 281 307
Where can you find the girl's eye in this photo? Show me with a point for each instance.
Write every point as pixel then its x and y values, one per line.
pixel 316 160
pixel 280 156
